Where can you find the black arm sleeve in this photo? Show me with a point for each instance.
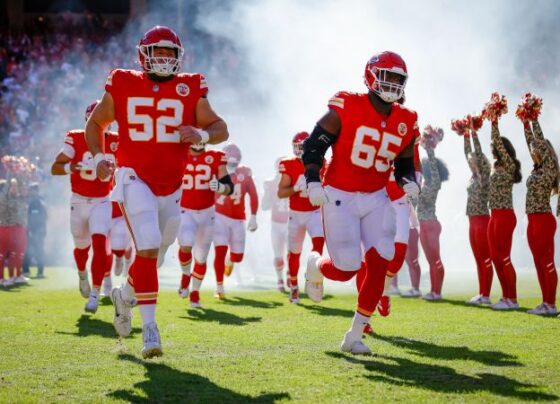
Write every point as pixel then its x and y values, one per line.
pixel 314 149
pixel 226 180
pixel 404 168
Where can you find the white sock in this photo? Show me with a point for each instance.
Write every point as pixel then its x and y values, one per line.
pixel 94 293
pixel 186 269
pixel 388 281
pixel 280 274
pixel 148 313
pixel 195 282
pixel 127 291
pixel 107 281
pixel 358 323
pixel 82 274
pixel 220 288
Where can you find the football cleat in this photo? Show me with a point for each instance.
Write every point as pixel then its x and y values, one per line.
pixel 123 313
pixel 228 266
pixel 85 289
pixel 432 296
pixel 183 293
pixel 9 282
pixel 220 293
pixel 195 299
pixel 384 306
pixel 152 341
pixel 368 330
pixel 294 295
pixel 394 291
pixel 280 286
pixel 551 309
pixel 93 302
pixel 501 304
pixel 412 293
pixel 314 278
pixel 20 280
pixel 475 300
pixel 539 310
pixel 353 345
pixel 512 304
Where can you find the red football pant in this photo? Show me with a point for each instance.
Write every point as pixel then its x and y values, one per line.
pixel 370 282
pixel 81 257
pixel 478 236
pixel 430 231
pixel 220 252
pixel 500 234
pixel 293 268
pixel 540 234
pixel 143 277
pixel 411 258
pixel 13 243
pixel 397 262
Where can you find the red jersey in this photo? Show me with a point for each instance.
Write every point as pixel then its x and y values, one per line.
pixel 148 114
pixel 199 170
pixel 368 142
pixel 86 183
pixel 116 212
pixel 293 168
pixel 233 205
pixel 393 190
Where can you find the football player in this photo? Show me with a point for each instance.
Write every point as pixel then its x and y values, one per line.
pixel 160 112
pixel 90 208
pixel 278 222
pixel 304 217
pixel 229 229
pixel 369 134
pixel 205 175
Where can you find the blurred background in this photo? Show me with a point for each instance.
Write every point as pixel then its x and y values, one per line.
pixel 271 66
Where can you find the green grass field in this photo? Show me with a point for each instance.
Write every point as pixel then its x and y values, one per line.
pixel 257 347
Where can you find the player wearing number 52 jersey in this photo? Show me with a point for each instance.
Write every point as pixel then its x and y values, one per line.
pixel 369 134
pixel 160 113
pixel 304 217
pixel 229 229
pixel 90 208
pixel 205 175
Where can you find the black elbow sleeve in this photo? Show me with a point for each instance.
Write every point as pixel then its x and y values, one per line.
pixel 404 168
pixel 316 145
pixel 226 180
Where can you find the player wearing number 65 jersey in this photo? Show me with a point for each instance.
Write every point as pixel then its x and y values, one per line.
pixel 205 174
pixel 90 208
pixel 160 113
pixel 304 217
pixel 369 134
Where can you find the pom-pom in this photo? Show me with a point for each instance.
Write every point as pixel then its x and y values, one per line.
pixel 460 126
pixel 496 107
pixel 431 136
pixel 530 108
pixel 475 122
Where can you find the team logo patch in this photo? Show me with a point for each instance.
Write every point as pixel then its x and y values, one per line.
pixel 182 89
pixel 113 146
pixel 240 177
pixel 209 160
pixel 402 129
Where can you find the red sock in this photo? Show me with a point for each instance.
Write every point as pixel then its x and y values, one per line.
pixel 397 262
pixel 118 253
pixel 199 270
pixel 374 282
pixel 99 260
pixel 81 257
pixel 146 285
pixel 318 244
pixel 360 276
pixel 220 252
pixel 184 257
pixel 329 271
pixel 185 281
pixel 293 268
pixel 109 264
pixel 236 257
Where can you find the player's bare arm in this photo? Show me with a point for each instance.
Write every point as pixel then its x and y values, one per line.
pixel 62 165
pixel 285 187
pixel 213 127
pixel 97 124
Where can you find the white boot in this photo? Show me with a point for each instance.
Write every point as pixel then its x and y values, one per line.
pixel 314 278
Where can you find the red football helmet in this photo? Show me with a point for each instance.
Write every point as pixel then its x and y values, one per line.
pixel 233 155
pixel 378 70
pixel 297 143
pixel 90 108
pixel 160 37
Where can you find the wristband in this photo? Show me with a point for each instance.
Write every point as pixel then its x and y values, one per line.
pixel 204 136
pixel 67 168
pixel 97 159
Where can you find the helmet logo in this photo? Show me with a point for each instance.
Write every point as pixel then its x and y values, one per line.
pixel 402 129
pixel 182 89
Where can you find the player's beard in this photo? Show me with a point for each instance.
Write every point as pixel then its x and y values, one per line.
pixel 160 79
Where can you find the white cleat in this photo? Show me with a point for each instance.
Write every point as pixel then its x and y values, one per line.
pixel 354 345
pixel 123 313
pixel 541 309
pixel 196 305
pixel 314 278
pixel 485 300
pixel 476 300
pixel 551 309
pixel 9 282
pixel 411 293
pixel 119 263
pixel 152 341
pixel 92 303
pixel 280 286
pixel 1 281
pixel 394 291
pixel 85 289
pixel 107 286
pixel 183 293
pixel 20 280
pixel 512 305
pixel 432 296
pixel 502 304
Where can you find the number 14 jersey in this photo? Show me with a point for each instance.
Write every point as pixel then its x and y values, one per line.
pixel 368 142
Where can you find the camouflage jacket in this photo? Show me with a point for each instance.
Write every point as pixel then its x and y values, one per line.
pixel 502 177
pixel 479 185
pixel 427 200
pixel 13 210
